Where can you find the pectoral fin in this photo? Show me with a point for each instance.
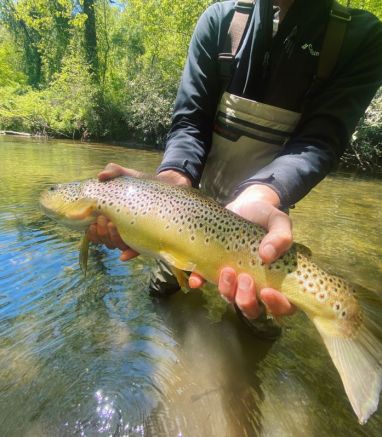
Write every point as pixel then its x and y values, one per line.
pixel 84 253
pixel 81 210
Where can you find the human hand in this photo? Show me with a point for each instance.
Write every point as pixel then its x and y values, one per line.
pixel 259 204
pixel 104 231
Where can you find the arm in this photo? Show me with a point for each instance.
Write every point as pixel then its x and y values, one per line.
pixel 189 139
pixel 329 119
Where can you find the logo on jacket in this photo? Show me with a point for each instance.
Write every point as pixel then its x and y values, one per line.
pixel 309 47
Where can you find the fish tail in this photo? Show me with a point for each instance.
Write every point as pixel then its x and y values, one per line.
pixel 358 357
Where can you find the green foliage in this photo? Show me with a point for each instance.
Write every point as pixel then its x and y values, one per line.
pixel 374 6
pixel 68 107
pixel 148 107
pixel 166 28
pixel 10 63
pixel 365 150
pixel 65 71
pixel 41 29
pixel 163 29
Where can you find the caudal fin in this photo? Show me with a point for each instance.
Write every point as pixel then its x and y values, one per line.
pixel 358 358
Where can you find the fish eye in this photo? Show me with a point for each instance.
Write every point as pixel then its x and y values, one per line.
pixel 51 188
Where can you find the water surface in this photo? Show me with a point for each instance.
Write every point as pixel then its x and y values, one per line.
pixel 98 356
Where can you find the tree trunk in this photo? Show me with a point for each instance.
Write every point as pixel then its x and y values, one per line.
pixel 91 36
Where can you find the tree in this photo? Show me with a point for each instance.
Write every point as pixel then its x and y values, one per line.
pixel 374 6
pixel 90 35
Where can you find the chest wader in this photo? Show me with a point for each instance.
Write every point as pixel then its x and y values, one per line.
pixel 248 135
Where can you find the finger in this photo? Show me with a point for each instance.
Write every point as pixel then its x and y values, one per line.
pixel 276 303
pixel 128 254
pixel 279 237
pixel 92 234
pixel 245 297
pixel 103 232
pixel 102 229
pixel 115 238
pixel 195 281
pixel 114 170
pixel 227 284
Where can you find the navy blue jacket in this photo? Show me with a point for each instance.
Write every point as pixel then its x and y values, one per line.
pixel 330 111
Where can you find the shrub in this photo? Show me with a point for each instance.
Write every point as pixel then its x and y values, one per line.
pixel 365 149
pixel 66 108
pixel 149 104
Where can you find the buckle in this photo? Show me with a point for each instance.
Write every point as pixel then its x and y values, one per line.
pixel 225 56
pixel 244 5
pixel 340 16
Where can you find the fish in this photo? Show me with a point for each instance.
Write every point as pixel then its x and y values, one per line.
pixel 193 233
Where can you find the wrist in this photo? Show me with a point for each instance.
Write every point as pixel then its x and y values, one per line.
pixel 174 177
pixel 261 193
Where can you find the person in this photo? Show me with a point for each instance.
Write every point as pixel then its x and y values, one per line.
pixel 272 133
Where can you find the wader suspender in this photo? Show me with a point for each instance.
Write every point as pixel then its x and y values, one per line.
pixel 334 36
pixel 236 31
pixel 335 33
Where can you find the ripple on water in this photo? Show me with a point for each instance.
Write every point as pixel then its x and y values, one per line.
pixel 96 356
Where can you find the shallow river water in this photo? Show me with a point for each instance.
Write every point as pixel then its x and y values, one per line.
pixel 97 356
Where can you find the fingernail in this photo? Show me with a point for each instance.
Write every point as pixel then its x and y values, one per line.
pixel 227 278
pixel 193 283
pixel 269 252
pixel 244 283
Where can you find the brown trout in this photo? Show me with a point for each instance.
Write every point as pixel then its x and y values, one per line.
pixel 193 233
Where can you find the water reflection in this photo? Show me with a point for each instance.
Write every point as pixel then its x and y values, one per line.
pixel 96 356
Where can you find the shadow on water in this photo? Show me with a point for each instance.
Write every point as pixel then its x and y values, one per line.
pixel 97 356
pixel 215 389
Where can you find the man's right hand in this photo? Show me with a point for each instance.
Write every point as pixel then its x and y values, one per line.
pixel 104 231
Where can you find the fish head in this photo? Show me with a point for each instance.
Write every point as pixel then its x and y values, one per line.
pixel 69 204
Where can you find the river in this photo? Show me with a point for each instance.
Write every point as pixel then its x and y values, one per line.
pixel 97 356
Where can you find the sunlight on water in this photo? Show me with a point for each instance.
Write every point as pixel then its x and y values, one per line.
pixel 97 356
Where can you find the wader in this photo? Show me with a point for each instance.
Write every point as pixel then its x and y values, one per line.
pixel 247 136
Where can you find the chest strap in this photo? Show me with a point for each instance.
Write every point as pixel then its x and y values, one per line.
pixel 339 19
pixel 236 31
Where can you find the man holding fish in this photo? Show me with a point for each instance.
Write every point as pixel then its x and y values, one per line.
pixel 269 98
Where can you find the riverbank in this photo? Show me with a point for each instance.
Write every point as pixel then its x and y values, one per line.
pixel 351 161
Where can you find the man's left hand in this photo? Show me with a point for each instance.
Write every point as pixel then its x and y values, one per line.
pixel 259 204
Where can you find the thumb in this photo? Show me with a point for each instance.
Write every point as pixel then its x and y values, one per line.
pixel 279 237
pixel 114 170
